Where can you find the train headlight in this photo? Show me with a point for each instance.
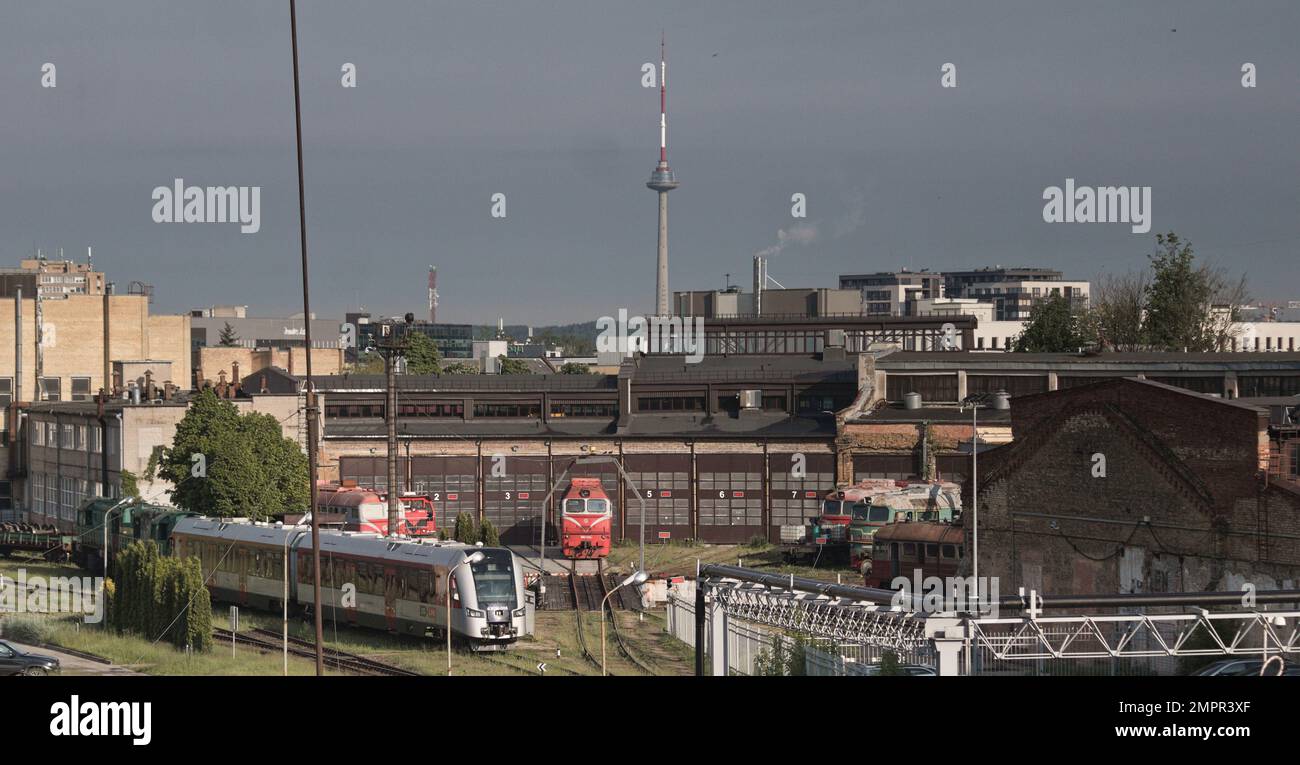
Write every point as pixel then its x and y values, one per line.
pixel 522 610
pixel 474 613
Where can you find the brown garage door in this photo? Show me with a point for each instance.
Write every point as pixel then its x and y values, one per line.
pixel 730 489
pixel 795 499
pixel 513 494
pixel 664 481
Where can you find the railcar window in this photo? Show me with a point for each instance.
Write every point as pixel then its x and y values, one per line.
pixel 830 507
pixel 573 506
pixel 909 548
pixel 879 514
pixel 949 551
pixel 932 550
pixel 597 506
pixel 494 578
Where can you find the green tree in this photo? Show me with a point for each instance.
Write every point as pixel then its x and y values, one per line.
pixel 367 363
pixel 1188 307
pixel 250 469
pixel 130 487
pixel 513 366
pixel 460 368
pixel 889 664
pixel 229 338
pixel 488 534
pixel 1054 327
pixel 465 530
pixel 422 355
pixel 574 368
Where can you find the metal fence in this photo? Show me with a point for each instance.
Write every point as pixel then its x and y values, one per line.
pixel 753 649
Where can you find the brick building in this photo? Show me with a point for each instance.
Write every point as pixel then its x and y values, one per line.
pixel 1133 486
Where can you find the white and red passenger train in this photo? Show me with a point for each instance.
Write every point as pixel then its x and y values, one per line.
pixel 398 585
pixel 587 518
pixel 367 510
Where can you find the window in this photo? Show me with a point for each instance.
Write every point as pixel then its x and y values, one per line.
pixel 578 409
pixel 6 495
pixel 81 389
pixel 50 389
pixel 531 409
pixel 94 439
pixel 6 391
pixel 355 410
pixel 38 434
pixel 671 404
pixel 69 440
pixel 81 438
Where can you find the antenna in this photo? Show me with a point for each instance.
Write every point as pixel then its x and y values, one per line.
pixel 663 99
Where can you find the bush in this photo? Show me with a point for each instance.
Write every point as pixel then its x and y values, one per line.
pixel 466 530
pixel 757 542
pixel 26 629
pixel 488 534
pixel 161 597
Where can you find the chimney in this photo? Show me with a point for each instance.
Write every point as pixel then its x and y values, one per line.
pixel 262 384
pixel 99 403
pixel 234 379
pixel 149 390
pixel 221 383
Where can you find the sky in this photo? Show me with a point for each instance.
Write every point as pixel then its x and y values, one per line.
pixel 543 102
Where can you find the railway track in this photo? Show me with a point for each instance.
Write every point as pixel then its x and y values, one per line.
pixel 580 600
pixel 266 640
pixel 613 620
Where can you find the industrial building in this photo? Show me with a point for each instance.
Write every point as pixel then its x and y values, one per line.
pixel 75 450
pixel 713 447
pixel 1152 488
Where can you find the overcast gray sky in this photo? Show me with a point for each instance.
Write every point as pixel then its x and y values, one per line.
pixel 543 102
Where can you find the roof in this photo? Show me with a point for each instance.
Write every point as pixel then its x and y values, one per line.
pixel 466 383
pixel 1093 363
pixel 745 369
pixel 1110 382
pixel 894 412
pixel 750 425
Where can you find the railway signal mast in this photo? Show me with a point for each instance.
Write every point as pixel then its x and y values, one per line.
pixel 393 347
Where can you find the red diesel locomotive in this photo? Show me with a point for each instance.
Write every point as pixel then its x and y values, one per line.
pixel 366 510
pixel 586 520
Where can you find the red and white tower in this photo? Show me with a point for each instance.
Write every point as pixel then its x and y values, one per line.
pixel 663 181
pixel 433 294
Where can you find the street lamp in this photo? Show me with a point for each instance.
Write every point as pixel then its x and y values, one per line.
pixel 471 559
pixel 637 578
pixel 975 401
pixel 306 519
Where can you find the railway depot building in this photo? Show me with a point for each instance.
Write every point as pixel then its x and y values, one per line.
pixel 1152 488
pixel 725 450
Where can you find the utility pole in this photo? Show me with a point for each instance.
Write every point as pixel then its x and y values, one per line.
pixel 310 409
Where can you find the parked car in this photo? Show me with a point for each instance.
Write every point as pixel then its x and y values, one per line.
pixel 910 670
pixel 1244 668
pixel 16 662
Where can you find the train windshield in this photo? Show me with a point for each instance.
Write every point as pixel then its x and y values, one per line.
pixel 573 506
pixel 598 506
pixel 494 578
pixel 831 507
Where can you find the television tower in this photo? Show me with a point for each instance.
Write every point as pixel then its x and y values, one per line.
pixel 663 181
